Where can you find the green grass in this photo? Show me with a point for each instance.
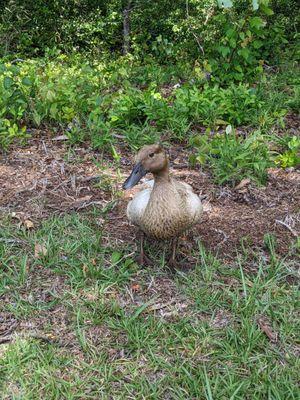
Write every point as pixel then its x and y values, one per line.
pixel 126 332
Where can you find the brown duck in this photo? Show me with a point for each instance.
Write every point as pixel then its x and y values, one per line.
pixel 166 208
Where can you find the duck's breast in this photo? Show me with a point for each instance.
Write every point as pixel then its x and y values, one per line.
pixel 136 207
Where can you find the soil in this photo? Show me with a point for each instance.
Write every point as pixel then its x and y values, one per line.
pixel 46 177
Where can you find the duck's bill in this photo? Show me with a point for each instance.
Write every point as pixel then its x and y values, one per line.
pixel 136 175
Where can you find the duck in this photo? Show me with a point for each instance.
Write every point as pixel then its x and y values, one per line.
pixel 166 207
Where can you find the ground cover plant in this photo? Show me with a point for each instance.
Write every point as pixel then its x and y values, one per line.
pixel 98 326
pixel 83 85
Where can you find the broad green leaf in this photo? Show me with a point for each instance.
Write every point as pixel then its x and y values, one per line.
pixel 230 33
pixel 7 82
pixel 266 10
pixel 256 22
pixel 53 110
pixel 37 118
pixel 50 95
pixel 232 43
pixel 238 68
pixel 257 44
pixel 224 50
pixel 244 53
pixel 26 81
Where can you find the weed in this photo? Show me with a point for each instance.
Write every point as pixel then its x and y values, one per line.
pixel 232 157
pixel 90 101
pixel 288 154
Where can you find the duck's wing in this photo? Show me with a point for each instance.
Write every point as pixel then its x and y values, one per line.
pixel 195 206
pixel 183 186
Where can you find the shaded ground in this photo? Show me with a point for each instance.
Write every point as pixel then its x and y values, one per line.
pixel 47 178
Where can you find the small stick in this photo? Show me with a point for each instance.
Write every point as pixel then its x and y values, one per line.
pixel 293 232
pixel 85 205
pixel 45 147
pixel 33 335
pixel 180 166
pixel 225 237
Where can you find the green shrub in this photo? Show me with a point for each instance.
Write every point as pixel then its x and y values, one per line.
pixel 232 157
pixel 288 154
pixel 212 106
pixel 102 101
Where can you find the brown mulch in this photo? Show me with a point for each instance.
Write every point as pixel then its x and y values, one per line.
pixel 46 177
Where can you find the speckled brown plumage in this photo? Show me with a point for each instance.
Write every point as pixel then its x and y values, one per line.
pixel 167 214
pixel 170 207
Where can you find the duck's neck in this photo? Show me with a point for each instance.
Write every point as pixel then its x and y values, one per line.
pixel 162 177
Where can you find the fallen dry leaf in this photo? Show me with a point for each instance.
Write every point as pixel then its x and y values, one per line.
pixel 79 202
pixel 84 269
pixel 243 183
pixel 267 329
pixel 39 250
pixel 135 287
pixel 28 224
pixel 206 206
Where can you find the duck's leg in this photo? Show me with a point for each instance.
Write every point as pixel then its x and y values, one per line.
pixel 173 264
pixel 142 258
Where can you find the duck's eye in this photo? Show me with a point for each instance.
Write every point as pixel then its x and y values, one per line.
pixel 151 155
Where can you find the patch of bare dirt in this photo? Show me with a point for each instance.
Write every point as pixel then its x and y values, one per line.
pixel 46 177
pixel 292 123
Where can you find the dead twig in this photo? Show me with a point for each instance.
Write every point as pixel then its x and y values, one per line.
pixel 225 237
pixel 73 182
pixel 13 241
pixel 293 232
pixel 94 178
pixel 180 166
pixel 45 148
pixel 192 29
pixel 91 203
pixel 48 338
pixel 267 329
pixel 160 306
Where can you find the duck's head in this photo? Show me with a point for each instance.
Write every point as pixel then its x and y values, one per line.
pixel 151 158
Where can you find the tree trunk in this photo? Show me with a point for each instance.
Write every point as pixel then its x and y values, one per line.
pixel 126 27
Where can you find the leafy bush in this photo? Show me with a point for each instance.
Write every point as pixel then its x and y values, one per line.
pixel 289 152
pixel 14 91
pixel 102 101
pixel 233 41
pixel 212 106
pixel 232 157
